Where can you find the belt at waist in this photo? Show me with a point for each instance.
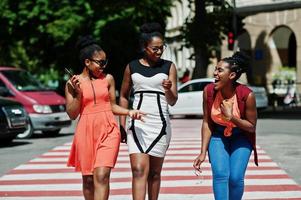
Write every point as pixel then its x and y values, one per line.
pixel 149 92
pixel 95 108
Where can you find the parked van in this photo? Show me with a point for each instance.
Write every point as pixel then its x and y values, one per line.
pixel 46 109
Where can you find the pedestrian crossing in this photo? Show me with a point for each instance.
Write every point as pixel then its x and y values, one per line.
pixel 47 177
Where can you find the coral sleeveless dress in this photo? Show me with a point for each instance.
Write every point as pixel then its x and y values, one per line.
pixel 97 137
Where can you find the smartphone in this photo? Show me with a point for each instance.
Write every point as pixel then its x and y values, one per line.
pixel 68 72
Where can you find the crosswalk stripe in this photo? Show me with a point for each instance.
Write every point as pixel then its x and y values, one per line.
pixel 47 177
pixel 125 185
pixel 72 174
pixel 167 158
pixel 127 165
pixel 127 179
pixel 247 196
pixel 125 153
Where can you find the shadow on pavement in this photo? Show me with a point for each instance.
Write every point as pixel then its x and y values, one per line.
pixel 280 113
pixel 40 135
pixel 35 136
pixel 186 117
pixel 14 143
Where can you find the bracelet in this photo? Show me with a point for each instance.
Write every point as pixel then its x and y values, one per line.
pixel 78 96
pixel 228 118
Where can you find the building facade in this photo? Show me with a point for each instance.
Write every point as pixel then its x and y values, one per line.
pixel 176 51
pixel 272 38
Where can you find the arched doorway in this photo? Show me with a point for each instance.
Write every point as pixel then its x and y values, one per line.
pixel 284 41
pixel 283 48
pixel 292 53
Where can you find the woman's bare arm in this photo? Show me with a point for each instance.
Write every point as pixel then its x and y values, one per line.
pixel 205 134
pixel 125 92
pixel 249 123
pixel 118 110
pixel 73 98
pixel 171 92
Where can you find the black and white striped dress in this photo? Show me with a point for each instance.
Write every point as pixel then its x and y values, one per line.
pixel 153 135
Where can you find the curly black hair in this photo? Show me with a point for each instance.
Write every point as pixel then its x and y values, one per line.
pixel 86 46
pixel 148 31
pixel 238 63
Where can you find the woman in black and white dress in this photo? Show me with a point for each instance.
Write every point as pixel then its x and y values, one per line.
pixel 154 83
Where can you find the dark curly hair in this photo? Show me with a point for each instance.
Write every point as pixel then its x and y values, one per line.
pixel 86 46
pixel 148 31
pixel 238 63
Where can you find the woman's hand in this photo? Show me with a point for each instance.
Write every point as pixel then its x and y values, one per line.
pixel 76 84
pixel 198 161
pixel 123 134
pixel 136 114
pixel 166 84
pixel 227 109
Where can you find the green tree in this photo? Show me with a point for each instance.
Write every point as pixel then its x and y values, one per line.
pixel 40 35
pixel 117 27
pixel 36 33
pixel 205 30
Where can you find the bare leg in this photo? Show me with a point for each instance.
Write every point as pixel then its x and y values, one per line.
pixel 154 177
pixel 101 183
pixel 140 169
pixel 88 187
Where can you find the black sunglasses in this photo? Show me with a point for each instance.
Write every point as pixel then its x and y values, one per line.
pixel 155 49
pixel 100 63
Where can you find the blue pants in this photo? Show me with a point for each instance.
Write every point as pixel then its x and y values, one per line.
pixel 229 158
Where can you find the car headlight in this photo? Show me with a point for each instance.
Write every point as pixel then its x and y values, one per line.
pixel 42 109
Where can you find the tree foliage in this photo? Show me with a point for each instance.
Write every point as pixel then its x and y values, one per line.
pixel 41 34
pixel 35 32
pixel 205 30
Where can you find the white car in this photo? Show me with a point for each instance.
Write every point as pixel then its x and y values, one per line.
pixel 190 97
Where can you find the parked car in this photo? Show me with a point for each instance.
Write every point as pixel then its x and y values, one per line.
pixel 190 97
pixel 13 119
pixel 46 108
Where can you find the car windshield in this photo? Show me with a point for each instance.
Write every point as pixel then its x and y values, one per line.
pixel 23 80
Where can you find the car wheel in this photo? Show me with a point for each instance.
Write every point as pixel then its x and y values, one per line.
pixel 26 134
pixel 51 133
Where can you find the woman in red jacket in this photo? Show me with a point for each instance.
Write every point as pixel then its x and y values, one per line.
pixel 228 129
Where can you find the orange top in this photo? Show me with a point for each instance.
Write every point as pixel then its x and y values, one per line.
pixel 217 116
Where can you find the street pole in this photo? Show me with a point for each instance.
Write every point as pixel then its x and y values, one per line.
pixel 234 24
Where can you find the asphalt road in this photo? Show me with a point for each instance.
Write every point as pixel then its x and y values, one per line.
pixel 278 133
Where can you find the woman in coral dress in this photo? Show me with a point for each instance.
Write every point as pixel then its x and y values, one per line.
pixel 91 96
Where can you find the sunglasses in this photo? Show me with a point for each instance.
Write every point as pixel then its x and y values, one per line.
pixel 100 63
pixel 156 49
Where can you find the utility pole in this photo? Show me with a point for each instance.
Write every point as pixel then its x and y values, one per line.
pixel 234 24
pixel 234 18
